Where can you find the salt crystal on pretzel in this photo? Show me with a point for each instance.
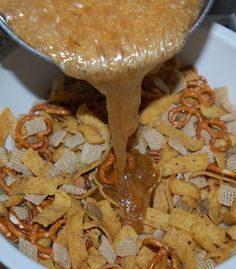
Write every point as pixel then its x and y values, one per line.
pixel 3 155
pixel 35 199
pixel 72 189
pixel 28 248
pixel 178 147
pixel 153 138
pixel 231 127
pixel 15 161
pixel 35 126
pixel 127 247
pixel 9 180
pixel 60 255
pixel 21 212
pixel 3 198
pixel 227 194
pixel 107 251
pixel 67 162
pixel 74 141
pixel 199 181
pixel 91 153
pixel 159 234
pixel 56 139
pixel 229 117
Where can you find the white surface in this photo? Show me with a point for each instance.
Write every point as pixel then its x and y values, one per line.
pixel 23 79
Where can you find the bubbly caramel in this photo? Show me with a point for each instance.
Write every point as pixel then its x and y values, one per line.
pixel 112 44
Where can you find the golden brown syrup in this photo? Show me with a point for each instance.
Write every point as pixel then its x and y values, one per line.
pixel 134 191
pixel 112 44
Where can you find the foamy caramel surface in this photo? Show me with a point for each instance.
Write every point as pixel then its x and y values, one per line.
pixel 112 44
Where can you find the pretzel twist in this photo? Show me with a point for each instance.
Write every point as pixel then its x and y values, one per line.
pixel 51 109
pixel 163 253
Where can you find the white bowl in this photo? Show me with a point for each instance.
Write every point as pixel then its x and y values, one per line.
pixel 24 79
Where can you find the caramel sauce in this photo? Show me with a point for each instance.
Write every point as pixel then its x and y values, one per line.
pixel 134 191
pixel 113 45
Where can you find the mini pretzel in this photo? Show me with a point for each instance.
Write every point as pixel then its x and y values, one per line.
pixel 5 171
pixel 51 109
pixel 214 168
pixel 215 134
pixel 5 231
pixel 164 252
pixel 198 95
pixel 188 113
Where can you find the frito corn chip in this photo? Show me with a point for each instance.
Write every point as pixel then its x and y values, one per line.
pixel 61 256
pixel 128 262
pixel 206 149
pixel 190 163
pixel 220 158
pixel 54 211
pixel 75 239
pixel 95 259
pixel 213 175
pixel 207 234
pixel 32 160
pixel 160 200
pixel 182 220
pixel 7 120
pixel 156 108
pixel 184 188
pixel 14 200
pixel 86 117
pixel 212 111
pixel 177 240
pixel 223 253
pixel 178 135
pixel 144 257
pixel 156 219
pixel 33 185
pixel 91 134
pixel 109 217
